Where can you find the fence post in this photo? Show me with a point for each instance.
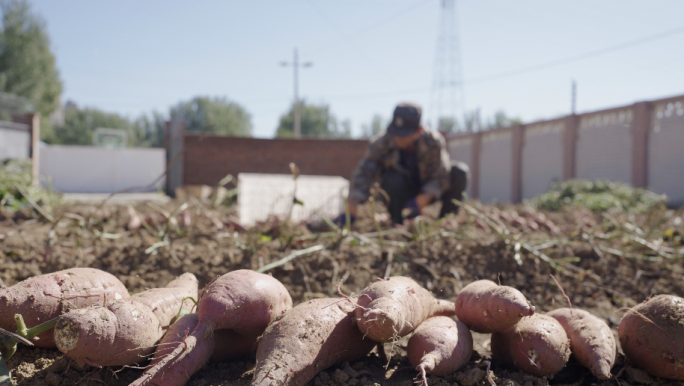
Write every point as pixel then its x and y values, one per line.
pixel 175 149
pixel 641 126
pixel 570 146
pixel 516 179
pixel 475 165
pixel 35 148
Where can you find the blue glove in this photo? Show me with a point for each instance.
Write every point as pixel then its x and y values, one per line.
pixel 413 205
pixel 341 220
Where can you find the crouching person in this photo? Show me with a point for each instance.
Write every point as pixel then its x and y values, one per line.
pixel 412 164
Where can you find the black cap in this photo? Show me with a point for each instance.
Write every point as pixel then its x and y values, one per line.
pixel 406 119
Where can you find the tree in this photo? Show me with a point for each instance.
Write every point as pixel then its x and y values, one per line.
pixel 500 119
pixel 447 124
pixel 473 121
pixel 149 130
pixel 316 121
pixel 27 66
pixel 79 125
pixel 214 115
pixel 376 126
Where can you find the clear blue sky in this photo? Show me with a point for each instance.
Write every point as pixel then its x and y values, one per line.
pixel 133 57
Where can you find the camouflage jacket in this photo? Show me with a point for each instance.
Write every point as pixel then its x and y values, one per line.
pixel 382 154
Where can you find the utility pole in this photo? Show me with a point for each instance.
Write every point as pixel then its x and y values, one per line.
pixel 574 97
pixel 295 65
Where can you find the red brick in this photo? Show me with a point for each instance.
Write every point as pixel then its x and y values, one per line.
pixel 210 158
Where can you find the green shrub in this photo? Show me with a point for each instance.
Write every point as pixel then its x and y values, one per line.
pixel 598 196
pixel 15 175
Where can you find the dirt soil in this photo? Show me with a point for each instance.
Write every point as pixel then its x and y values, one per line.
pixel 599 261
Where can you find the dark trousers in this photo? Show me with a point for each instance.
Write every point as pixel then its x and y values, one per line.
pixel 401 189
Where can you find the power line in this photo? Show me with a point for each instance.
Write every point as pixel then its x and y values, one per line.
pixel 520 71
pixel 577 58
pixel 536 67
pixel 367 29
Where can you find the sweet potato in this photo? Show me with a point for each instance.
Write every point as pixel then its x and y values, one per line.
pixel 44 297
pixel 392 308
pixel 486 307
pixel 440 346
pixel 652 336
pixel 537 344
pixel 123 332
pixel 591 341
pixel 307 340
pixel 224 346
pixel 244 301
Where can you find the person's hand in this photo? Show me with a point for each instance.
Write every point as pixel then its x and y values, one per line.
pixel 423 200
pixel 413 209
pixel 341 220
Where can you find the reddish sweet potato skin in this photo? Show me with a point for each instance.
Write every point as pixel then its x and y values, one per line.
pixel 44 297
pixel 656 347
pixel 591 340
pixel 392 308
pixel 225 346
pixel 487 307
pixel 244 301
pixel 249 302
pixel 538 345
pixel 164 302
pixel 122 332
pixel 442 345
pixel 308 339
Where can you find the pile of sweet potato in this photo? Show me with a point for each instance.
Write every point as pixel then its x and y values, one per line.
pixel 245 313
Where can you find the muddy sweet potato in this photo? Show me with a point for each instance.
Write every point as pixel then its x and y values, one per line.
pixel 123 332
pixel 307 340
pixel 224 346
pixel 440 346
pixel 591 341
pixel 538 345
pixel 244 301
pixel 392 308
pixel 44 297
pixel 652 336
pixel 486 307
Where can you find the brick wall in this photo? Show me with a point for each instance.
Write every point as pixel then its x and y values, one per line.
pixel 210 158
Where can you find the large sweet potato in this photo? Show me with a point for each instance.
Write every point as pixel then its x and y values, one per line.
pixel 123 332
pixel 591 341
pixel 537 344
pixel 224 346
pixel 44 297
pixel 440 346
pixel 652 336
pixel 307 340
pixel 243 301
pixel 486 307
pixel 392 308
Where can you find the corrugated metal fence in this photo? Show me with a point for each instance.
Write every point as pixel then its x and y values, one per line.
pixel 641 144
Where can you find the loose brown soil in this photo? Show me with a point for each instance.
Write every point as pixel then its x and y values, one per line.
pixel 602 268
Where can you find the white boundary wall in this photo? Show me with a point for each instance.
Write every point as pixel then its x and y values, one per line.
pixel 264 195
pixel 666 151
pixel 496 172
pixel 15 141
pixel 86 169
pixel 542 158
